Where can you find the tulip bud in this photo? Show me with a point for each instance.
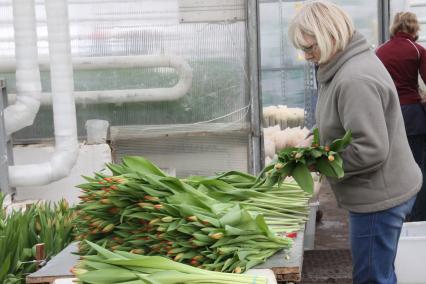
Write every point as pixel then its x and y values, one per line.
pixel 105 201
pixel 153 221
pixel 64 205
pixel 137 251
pixel 192 218
pixel 216 236
pixel 151 198
pixel 145 204
pixel 119 180
pixel 114 210
pixel 161 229
pixel 108 228
pixel 198 257
pixel 115 247
pixel 78 271
pixel 37 226
pixel 167 219
pixel 278 166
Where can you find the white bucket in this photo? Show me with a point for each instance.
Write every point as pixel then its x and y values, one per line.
pixel 410 258
pixel 97 131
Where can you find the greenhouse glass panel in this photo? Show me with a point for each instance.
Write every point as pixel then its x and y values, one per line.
pixel 288 82
pixel 287 79
pixel 417 7
pixel 214 48
pixel 110 39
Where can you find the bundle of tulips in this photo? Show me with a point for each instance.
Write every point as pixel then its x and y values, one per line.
pixel 228 222
pixel 124 267
pixel 299 162
pixel 22 229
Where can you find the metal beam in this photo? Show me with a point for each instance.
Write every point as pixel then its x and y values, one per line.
pixel 417 3
pixel 384 20
pixel 278 1
pixel 256 153
pixel 5 146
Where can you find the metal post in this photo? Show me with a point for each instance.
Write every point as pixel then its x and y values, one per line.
pixel 310 95
pixel 384 20
pixel 4 152
pixel 283 54
pixel 256 151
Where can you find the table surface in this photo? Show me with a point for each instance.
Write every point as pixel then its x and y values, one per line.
pixel 286 264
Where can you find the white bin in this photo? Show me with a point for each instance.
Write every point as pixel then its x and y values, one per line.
pixel 97 131
pixel 410 262
pixel 309 237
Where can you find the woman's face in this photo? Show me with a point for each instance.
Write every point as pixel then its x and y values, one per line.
pixel 311 50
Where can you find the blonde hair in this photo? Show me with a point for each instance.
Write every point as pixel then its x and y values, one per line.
pixel 405 22
pixel 327 23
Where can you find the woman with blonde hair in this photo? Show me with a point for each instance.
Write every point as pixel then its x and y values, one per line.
pixel 356 93
pixel 405 60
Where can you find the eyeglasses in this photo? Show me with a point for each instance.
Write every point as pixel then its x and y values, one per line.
pixel 308 49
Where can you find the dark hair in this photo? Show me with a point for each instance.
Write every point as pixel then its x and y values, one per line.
pixel 405 22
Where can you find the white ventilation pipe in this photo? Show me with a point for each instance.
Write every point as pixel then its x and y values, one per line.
pixel 65 125
pixel 413 4
pixel 181 88
pixel 28 86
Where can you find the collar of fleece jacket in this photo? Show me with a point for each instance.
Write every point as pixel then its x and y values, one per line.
pixel 357 45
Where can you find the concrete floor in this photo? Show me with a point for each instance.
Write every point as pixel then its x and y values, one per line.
pixel 332 231
pixel 330 261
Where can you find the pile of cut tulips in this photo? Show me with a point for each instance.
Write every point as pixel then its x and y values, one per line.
pixel 124 267
pixel 218 223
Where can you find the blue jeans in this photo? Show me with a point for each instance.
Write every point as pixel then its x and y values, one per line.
pixel 417 143
pixel 374 240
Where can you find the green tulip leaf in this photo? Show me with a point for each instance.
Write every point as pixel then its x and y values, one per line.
pixel 339 144
pixel 316 140
pixel 324 167
pixel 302 176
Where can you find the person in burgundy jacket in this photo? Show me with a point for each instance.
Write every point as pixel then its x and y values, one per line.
pixel 405 60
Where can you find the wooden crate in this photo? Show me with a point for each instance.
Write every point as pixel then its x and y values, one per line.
pixel 58 267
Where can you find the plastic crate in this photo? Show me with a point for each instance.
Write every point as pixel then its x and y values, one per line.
pixel 410 258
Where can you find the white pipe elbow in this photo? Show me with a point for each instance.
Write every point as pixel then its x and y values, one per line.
pixel 181 88
pixel 59 166
pixel 64 115
pixel 28 86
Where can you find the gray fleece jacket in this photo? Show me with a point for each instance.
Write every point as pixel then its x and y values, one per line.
pixel 357 93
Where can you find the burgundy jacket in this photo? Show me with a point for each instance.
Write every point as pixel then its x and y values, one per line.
pixel 405 60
